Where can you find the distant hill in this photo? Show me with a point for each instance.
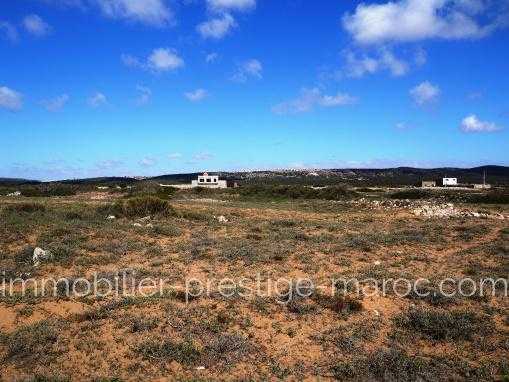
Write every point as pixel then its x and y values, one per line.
pixel 400 176
pixel 16 181
pixel 101 180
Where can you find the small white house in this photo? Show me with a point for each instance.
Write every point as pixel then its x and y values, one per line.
pixel 209 181
pixel 450 181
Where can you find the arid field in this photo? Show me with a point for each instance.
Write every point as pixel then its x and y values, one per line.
pixel 233 299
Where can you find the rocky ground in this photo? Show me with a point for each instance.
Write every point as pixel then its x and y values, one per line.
pixel 276 334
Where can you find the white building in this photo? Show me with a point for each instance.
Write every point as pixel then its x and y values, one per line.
pixel 209 181
pixel 450 181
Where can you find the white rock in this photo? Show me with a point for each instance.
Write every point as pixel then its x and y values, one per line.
pixel 111 217
pixel 137 225
pixel 222 219
pixel 378 262
pixel 40 254
pixel 149 225
pixel 200 368
pixel 146 218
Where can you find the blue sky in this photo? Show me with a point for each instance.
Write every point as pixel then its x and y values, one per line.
pixel 146 87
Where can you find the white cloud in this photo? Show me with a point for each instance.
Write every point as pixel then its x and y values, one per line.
pixel 147 162
pixel 420 57
pixel 236 5
pixel 97 100
pixel 249 68
pixel 414 20
pixel 196 95
pixel 108 164
pixel 150 12
pixel 55 104
pixel 357 67
pixel 36 26
pixel 217 28
pixel 402 126
pixel 174 156
pixel 211 58
pixel 10 99
pixel 311 98
pixel 203 156
pixel 160 60
pixel 472 124
pixel 425 93
pixel 9 31
pixel 164 59
pixel 144 95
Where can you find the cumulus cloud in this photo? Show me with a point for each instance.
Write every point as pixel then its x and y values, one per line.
pixel 8 31
pixel 414 20
pixel 150 12
pixel 164 59
pixel 55 104
pixel 211 58
pixel 250 68
pixel 160 60
pixel 217 28
pixel 359 65
pixel 196 95
pixel 425 93
pixel 10 99
pixel 311 98
pixel 472 124
pixel 36 26
pixel 235 5
pixel 97 100
pixel 144 95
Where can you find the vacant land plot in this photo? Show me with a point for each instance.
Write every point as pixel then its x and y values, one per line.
pixel 265 321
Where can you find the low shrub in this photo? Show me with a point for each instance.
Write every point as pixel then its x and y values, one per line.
pixel 494 197
pixel 49 191
pixel 445 325
pixel 184 352
pixel 33 340
pixel 296 192
pixel 143 206
pixel 26 207
pixel 410 194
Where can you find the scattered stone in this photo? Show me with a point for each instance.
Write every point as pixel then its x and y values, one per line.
pixel 15 193
pixel 222 219
pixel 137 225
pixel 40 254
pixel 111 217
pixel 149 225
pixel 146 218
pixel 378 262
pixel 200 368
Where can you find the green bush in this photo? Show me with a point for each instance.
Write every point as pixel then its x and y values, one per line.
pixel 166 192
pixel 143 206
pixel 49 190
pixel 445 325
pixel 27 207
pixel 410 194
pixel 185 352
pixel 296 192
pixel 32 340
pixel 494 197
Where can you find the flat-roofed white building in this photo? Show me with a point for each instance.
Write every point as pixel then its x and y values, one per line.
pixel 450 181
pixel 210 181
